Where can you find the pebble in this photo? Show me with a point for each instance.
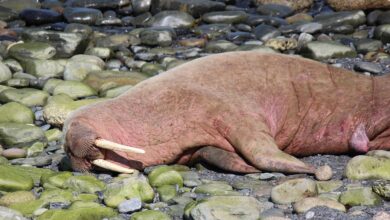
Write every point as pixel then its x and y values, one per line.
pixel 130 205
pixel 324 173
pixel 13 153
pixel 373 68
pixel 40 16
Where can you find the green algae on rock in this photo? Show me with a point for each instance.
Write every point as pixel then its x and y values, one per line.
pixel 79 213
pixel 165 175
pixel 367 167
pixel 84 184
pixel 13 134
pixel 150 215
pixel 32 50
pixel 360 196
pixel 293 190
pixel 16 113
pixel 167 192
pixel 16 197
pixel 26 96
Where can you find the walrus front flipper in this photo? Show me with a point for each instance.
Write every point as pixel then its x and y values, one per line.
pixel 258 147
pixel 222 159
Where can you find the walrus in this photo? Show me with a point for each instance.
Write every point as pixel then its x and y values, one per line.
pixel 239 111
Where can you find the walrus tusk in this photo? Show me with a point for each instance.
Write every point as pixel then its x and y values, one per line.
pixel 109 145
pixel 111 166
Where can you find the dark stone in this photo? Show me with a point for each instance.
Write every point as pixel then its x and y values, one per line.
pixel 97 3
pixel 373 16
pixel 82 15
pixel 368 45
pixel 265 32
pixel 195 8
pixel 255 20
pixel 275 10
pixel 7 14
pixel 240 36
pixel 354 18
pixel 40 16
pixel 383 18
pixel 373 68
pixel 141 6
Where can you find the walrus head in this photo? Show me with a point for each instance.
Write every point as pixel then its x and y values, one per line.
pixel 87 149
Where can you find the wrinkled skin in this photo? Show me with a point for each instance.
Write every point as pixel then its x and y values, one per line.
pixel 239 111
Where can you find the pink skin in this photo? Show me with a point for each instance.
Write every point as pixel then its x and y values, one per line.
pixel 254 111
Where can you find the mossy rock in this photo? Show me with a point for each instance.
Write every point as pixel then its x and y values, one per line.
pixel 13 134
pixel 360 196
pixel 167 192
pixel 28 208
pixel 54 134
pixel 367 167
pixel 16 197
pixel 57 195
pixel 328 186
pixel 16 113
pixel 165 175
pixel 84 184
pixel 14 180
pixel 128 187
pixel 56 179
pixel 88 213
pixel 150 215
pixel 216 189
pixel 26 96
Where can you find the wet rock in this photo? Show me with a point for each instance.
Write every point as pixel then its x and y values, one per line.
pixel 225 207
pixel 13 134
pixel 104 80
pixel 215 189
pixel 195 8
pixel 220 46
pixel 346 5
pixel 368 45
pixel 40 16
pixel 59 107
pixel 354 18
pixel 275 10
pixel 89 211
pixel 34 151
pixel 382 32
pixel 13 153
pixel 213 31
pixel 383 18
pixel 328 186
pixel 141 6
pixel 295 4
pixel 326 50
pixel 11 180
pixel 10 214
pixel 74 89
pixel 37 161
pixel 165 175
pixel 79 66
pixel 112 93
pixel 293 190
pixel 382 188
pixel 172 19
pixel 130 205
pixel 5 72
pixel 373 68
pixel 367 167
pixel 16 197
pixel 227 17
pixel 298 18
pixel 26 96
pixel 157 37
pixel 17 113
pixel 19 5
pixel 265 32
pixel 54 134
pixel 84 184
pixel 150 215
pixel 45 68
pixel 306 204
pixel 128 187
pixel 32 50
pixel 101 52
pixel 167 192
pixel 82 15
pixel 359 196
pixel 54 180
pixel 66 44
pixel 97 3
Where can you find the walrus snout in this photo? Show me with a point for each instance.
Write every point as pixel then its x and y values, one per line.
pixel 86 150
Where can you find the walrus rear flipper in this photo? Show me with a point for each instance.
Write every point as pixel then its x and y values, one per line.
pixel 222 159
pixel 253 141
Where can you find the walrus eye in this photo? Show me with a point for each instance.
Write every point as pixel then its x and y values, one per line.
pixel 111 166
pixel 109 145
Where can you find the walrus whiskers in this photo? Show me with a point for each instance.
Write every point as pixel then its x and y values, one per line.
pixel 111 166
pixel 109 145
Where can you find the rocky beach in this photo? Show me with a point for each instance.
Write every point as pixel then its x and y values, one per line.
pixel 57 56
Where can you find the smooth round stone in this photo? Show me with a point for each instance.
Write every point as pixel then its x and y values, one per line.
pixel 324 173
pixel 383 18
pixel 240 36
pixel 255 20
pixel 19 5
pixel 368 45
pixel 368 167
pixel 16 112
pixel 306 204
pixel 157 37
pixel 193 42
pixel 354 18
pixel 78 69
pixel 360 196
pixel 130 205
pixel 16 197
pixel 83 29
pixel 74 89
pixel 293 190
pixel 195 8
pixel 213 31
pixel 227 17
pixel 150 215
pixel 13 134
pixel 382 33
pixel 27 96
pixel 5 72
pixel 326 50
pixel 373 68
pixel 82 15
pixel 275 10
pixel 220 46
pixel 300 17
pixel 295 4
pixel 172 19
pixel 32 50
pixel 13 65
pixel 40 16
pixel 13 153
pixel 265 32
pixel 18 83
pixel 373 16
pixel 114 64
pixel 97 3
pixel 45 68
pixel 141 6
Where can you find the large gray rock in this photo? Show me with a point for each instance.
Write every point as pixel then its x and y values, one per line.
pixel 26 96
pixel 227 208
pixel 5 72
pixel 66 44
pixel 13 134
